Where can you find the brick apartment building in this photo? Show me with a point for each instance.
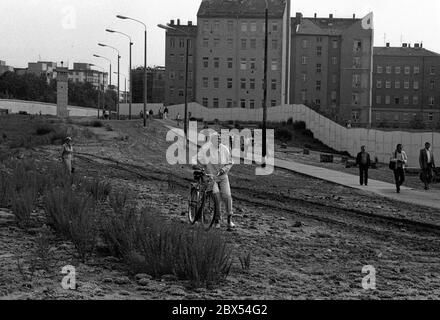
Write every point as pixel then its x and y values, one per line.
pixel 331 66
pixel 5 68
pixel 43 68
pixel 175 48
pixel 155 84
pixel 406 85
pixel 83 72
pixel 230 53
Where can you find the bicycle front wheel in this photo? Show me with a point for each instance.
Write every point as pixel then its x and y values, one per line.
pixel 209 210
pixel 194 205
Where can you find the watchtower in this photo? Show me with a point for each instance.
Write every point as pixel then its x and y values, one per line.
pixel 62 91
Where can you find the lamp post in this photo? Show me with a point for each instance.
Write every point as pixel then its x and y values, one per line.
pixel 119 62
pixel 125 90
pixel 110 62
pixel 145 64
pixel 129 68
pixel 266 46
pixel 167 27
pixel 99 86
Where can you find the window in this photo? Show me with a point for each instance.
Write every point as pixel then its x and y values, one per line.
pixel 303 60
pixel 244 27
pixel 431 101
pixel 172 75
pixel 379 69
pixel 182 58
pixel 230 43
pixel 230 26
pixel 252 104
pixel 318 68
pixel 190 75
pixel 243 44
pixel 378 99
pixel 318 85
pixel 216 83
pixel 274 44
pixel 252 84
pixel 205 62
pixel 253 43
pixel 205 82
pixel 206 25
pixel 398 70
pixel 253 63
pixel 171 91
pixel 274 84
pixel 172 57
pixel 388 84
pixel 215 104
pixel 377 116
pixel 355 116
pixel 181 75
pixel 216 42
pixel 406 84
pixel 216 25
pixel 407 70
pixel 430 116
pixel 355 99
pixel 416 85
pixel 182 43
pixel 334 96
pixel 172 43
pixel 319 39
pixel 334 60
pixel 406 100
pixel 274 66
pixel 334 79
pixel 205 102
pixel 229 103
pixel 243 83
pixel 387 99
pixel 335 44
pixel 396 101
pixel 229 83
pixel 253 27
pixel 357 46
pixel 432 84
pixel 243 104
pixel 416 100
pixel 379 84
pixel 305 43
pixel 304 76
pixel 216 63
pixel 397 85
pixel 416 70
pixel 356 81
pixel 356 62
pixel 432 70
pixel 304 95
pixel 318 102
pixel 274 27
pixel 181 93
pixel 230 63
pixel 273 103
pixel 388 69
pixel 319 51
pixel 243 64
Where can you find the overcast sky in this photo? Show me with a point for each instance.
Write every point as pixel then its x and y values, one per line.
pixel 69 30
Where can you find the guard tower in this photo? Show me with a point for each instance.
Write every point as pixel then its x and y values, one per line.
pixel 62 91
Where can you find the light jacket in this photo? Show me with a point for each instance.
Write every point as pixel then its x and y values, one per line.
pixel 402 156
pixel 222 161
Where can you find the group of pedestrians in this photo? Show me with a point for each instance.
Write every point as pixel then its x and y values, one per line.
pixel 398 163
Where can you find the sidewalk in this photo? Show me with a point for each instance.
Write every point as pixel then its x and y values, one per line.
pixel 423 198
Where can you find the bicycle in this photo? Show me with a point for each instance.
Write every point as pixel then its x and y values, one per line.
pixel 202 202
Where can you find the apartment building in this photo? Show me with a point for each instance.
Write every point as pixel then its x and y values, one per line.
pixel 331 61
pixel 43 68
pixel 406 85
pixel 83 72
pixel 230 53
pixel 5 68
pixel 155 84
pixel 177 38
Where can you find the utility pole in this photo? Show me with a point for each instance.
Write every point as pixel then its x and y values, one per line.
pixel 266 47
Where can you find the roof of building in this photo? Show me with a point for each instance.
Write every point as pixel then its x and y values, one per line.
pixel 404 52
pixel 324 26
pixel 241 8
pixel 192 30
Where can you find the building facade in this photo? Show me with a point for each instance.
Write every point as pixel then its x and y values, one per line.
pixel 155 85
pixel 5 68
pixel 43 68
pixel 83 72
pixel 230 53
pixel 177 38
pixel 406 86
pixel 331 62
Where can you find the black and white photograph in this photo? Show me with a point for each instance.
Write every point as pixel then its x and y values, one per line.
pixel 234 153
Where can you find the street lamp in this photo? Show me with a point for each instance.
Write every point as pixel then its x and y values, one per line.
pixel 110 62
pixel 119 61
pixel 167 27
pixel 266 46
pixel 145 64
pixel 125 90
pixel 99 86
pixel 129 70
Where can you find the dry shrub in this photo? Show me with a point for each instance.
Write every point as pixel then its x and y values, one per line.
pixel 118 200
pixel 23 203
pixel 245 261
pixel 99 189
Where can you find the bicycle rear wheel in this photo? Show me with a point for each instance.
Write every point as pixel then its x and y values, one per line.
pixel 193 205
pixel 209 210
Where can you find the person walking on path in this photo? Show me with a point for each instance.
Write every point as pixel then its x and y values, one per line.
pixel 427 164
pixel 363 160
pixel 179 119
pixel 399 160
pixel 165 113
pixel 67 154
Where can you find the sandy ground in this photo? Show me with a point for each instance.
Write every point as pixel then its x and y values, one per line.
pixel 308 239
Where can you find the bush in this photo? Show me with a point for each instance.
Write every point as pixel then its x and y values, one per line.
pixel 308 133
pixel 283 134
pixel 23 203
pixel 99 189
pixel 44 129
pixel 118 200
pixel 97 124
pixel 299 125
pixel 5 189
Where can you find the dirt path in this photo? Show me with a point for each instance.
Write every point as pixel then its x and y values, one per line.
pixel 308 239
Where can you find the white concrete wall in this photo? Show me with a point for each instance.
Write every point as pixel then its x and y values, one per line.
pixel 136 108
pixel 16 106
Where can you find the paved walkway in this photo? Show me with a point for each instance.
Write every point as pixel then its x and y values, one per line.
pixel 429 198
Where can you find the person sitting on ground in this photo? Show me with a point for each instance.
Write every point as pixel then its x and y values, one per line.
pixel 427 164
pixel 67 154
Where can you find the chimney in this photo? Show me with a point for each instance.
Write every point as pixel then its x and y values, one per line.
pixel 172 22
pixel 354 16
pixel 178 22
pixel 404 45
pixel 416 45
pixel 298 18
pixel 421 44
pixel 190 23
pixel 316 15
pixel 388 44
pixel 330 16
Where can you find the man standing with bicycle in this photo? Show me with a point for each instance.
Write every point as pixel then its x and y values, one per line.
pixel 218 164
